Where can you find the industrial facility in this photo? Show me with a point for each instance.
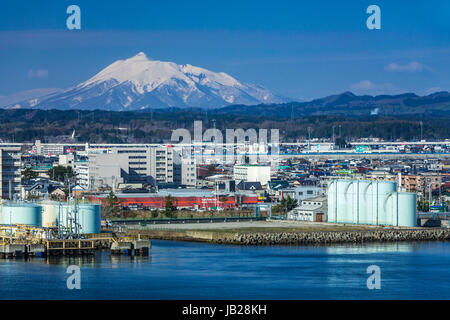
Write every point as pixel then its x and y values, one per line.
pixel 49 228
pixel 72 218
pixel 370 202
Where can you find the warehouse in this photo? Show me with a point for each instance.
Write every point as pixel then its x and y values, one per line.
pixel 183 198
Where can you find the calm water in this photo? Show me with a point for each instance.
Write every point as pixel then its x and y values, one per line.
pixel 185 270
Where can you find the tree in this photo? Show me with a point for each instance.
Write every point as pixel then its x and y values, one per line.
pixel 59 173
pixel 170 208
pixel 28 174
pixel 423 206
pixel 285 205
pixel 112 205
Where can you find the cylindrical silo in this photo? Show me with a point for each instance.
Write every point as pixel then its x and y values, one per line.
pixel 344 201
pixel 49 213
pixel 364 214
pixel 83 218
pixel 89 218
pixel 331 197
pixel 22 213
pixel 407 209
pixel 350 198
pixel 383 213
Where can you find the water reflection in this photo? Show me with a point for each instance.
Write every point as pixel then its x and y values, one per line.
pixel 98 259
pixel 373 248
pixel 118 260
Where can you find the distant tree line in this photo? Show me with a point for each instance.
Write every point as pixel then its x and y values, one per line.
pixel 22 125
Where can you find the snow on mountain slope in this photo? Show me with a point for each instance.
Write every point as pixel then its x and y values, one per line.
pixel 140 83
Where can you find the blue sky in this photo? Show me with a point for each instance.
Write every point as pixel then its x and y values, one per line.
pixel 301 49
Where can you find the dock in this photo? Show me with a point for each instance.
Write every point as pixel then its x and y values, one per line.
pixel 23 241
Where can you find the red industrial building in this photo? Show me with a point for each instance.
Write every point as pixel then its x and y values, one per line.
pixel 182 200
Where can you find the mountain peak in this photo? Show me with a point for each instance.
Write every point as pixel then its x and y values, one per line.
pixel 140 56
pixel 140 83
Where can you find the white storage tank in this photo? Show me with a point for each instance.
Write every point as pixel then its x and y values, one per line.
pixel 370 202
pixel 331 192
pixel 407 214
pixel 382 213
pixel 364 202
pixel 49 213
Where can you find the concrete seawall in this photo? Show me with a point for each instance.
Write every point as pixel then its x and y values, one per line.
pixel 293 238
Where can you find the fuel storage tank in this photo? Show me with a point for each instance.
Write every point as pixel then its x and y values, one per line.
pixel 90 218
pixel 21 213
pixel 381 211
pixel 49 213
pixel 82 218
pixel 371 202
pixel 404 211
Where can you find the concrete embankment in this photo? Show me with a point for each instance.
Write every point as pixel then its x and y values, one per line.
pixel 292 238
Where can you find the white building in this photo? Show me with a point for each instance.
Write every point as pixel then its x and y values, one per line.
pixel 300 193
pixel 251 173
pixel 48 148
pixel 141 164
pixel 188 172
pixel 66 159
pixel 321 147
pixel 312 210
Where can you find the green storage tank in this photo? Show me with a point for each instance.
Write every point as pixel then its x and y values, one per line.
pixel 88 216
pixel 22 213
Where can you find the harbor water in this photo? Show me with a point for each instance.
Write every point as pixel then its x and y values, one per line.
pixel 188 270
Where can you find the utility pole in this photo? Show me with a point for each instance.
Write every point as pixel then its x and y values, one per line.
pixel 217 191
pixel 430 193
pixel 421 130
pixel 10 223
pixel 309 138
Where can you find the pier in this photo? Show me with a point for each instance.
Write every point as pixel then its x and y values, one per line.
pixel 23 241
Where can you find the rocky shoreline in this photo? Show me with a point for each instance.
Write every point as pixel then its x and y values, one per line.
pixel 335 237
pixel 302 238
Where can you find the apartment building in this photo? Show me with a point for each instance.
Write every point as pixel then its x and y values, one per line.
pixel 251 173
pixel 421 182
pixel 162 164
pixel 48 148
pixel 134 164
pixel 10 174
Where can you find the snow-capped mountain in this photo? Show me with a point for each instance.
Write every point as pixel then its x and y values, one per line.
pixel 140 83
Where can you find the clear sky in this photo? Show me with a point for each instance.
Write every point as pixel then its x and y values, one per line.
pixel 301 49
